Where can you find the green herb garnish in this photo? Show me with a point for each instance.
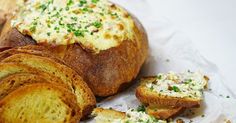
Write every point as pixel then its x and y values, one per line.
pixel 43 7
pixel 141 108
pixel 188 81
pixel 152 88
pixel 32 29
pixel 70 2
pixel 159 76
pixel 176 89
pixel 114 15
pixel 79 33
pixel 48 33
pixel 82 2
pixel 74 18
pixel 95 1
pixel 97 24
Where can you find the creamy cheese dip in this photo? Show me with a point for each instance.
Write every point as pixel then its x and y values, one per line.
pixel 187 84
pixel 134 116
pixel 96 24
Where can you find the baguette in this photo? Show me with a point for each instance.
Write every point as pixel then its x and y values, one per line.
pixel 173 90
pixel 85 97
pixel 39 103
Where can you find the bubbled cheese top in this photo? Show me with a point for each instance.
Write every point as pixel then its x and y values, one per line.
pixel 95 24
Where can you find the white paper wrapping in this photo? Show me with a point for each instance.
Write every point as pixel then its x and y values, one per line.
pixel 170 50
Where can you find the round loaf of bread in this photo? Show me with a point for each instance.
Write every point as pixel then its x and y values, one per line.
pixel 100 40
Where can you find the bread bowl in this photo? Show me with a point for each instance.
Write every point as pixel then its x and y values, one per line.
pixel 108 54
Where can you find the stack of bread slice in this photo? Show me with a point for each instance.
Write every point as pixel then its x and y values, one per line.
pixel 167 95
pixel 36 86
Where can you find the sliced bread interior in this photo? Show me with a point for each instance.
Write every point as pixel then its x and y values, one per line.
pixel 85 97
pixel 39 103
pixel 15 80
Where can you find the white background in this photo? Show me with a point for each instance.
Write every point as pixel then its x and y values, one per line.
pixel 210 24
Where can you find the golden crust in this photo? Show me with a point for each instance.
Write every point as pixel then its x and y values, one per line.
pixel 106 115
pixel 107 72
pixel 65 96
pixel 164 112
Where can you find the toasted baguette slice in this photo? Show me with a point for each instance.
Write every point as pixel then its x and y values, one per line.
pixel 131 116
pixel 85 98
pixel 34 51
pixel 39 103
pixel 162 112
pixel 13 81
pixel 107 115
pixel 165 90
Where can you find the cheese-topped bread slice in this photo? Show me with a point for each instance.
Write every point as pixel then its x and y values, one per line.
pixel 173 89
pixel 39 103
pixel 85 98
pixel 131 116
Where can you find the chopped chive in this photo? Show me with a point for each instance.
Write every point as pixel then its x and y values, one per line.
pixel 95 1
pixel 82 2
pixel 43 7
pixel 176 89
pixel 48 33
pixel 141 108
pixel 159 76
pixel 32 28
pixel 79 33
pixel 152 88
pixel 97 24
pixel 70 2
pixel 74 18
pixel 188 81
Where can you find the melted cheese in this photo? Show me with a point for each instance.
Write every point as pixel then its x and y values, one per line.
pixel 96 24
pixel 188 84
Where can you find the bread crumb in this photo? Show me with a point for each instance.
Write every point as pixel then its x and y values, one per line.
pixel 179 121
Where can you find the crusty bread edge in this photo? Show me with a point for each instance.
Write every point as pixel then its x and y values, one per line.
pixel 169 113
